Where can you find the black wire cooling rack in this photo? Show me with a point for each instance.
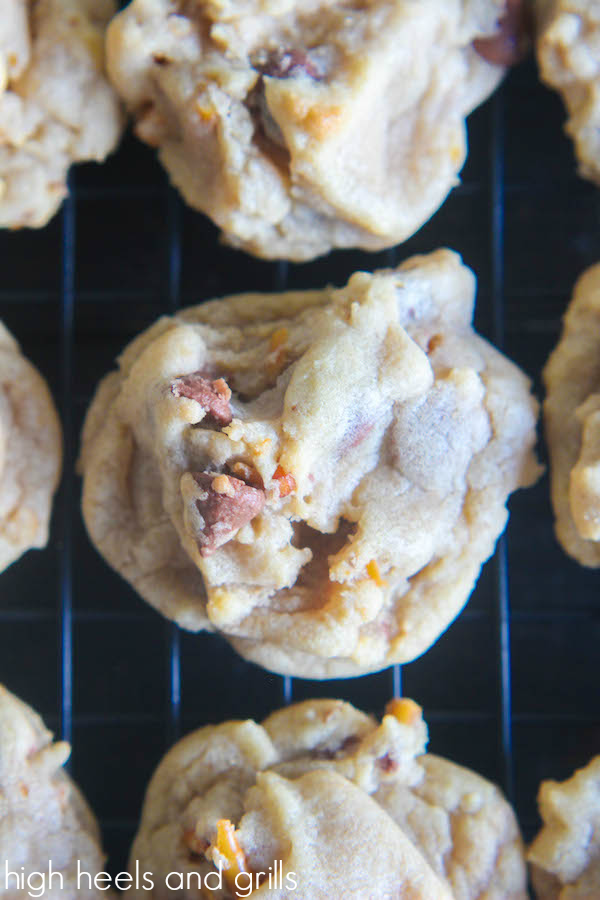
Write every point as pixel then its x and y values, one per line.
pixel 511 689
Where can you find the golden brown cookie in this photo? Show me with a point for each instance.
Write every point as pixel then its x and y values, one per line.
pixel 565 856
pixel 303 125
pixel 43 816
pixel 318 475
pixel 568 52
pixel 56 105
pixel 572 423
pixel 30 453
pixel 325 796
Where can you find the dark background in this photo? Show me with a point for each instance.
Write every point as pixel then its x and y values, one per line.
pixel 512 688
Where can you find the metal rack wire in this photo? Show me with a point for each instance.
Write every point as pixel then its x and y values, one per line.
pixel 511 689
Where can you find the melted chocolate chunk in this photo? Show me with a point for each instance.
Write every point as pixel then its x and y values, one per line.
pixel 511 43
pixel 225 505
pixel 213 396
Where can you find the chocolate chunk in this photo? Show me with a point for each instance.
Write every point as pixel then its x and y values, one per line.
pixel 214 396
pixel 387 764
pixel 267 134
pixel 350 744
pixel 225 503
pixel 288 64
pixel 355 435
pixel 511 43
pixel 277 64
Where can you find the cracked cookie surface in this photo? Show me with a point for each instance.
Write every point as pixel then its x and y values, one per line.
pixel 568 52
pixel 30 453
pixel 336 798
pixel 43 816
pixel 56 104
pixel 338 521
pixel 572 423
pixel 303 126
pixel 565 855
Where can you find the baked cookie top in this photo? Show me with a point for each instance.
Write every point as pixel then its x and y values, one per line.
pixel 319 475
pixel 568 53
pixel 303 126
pixel 56 105
pixel 344 802
pixel 565 856
pixel 30 453
pixel 43 816
pixel 572 423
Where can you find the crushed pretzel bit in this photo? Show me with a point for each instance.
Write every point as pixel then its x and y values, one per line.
pixel 222 485
pixel 230 852
pixel 203 104
pixel 221 387
pixel 406 711
pixel 276 363
pixel 278 338
pixel 285 481
pixel 277 356
pixel 248 474
pixel 374 574
pixel 261 447
pixel 435 341
pixel 205 113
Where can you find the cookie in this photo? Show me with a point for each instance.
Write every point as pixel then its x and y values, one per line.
pixel 303 126
pixel 318 475
pixel 572 420
pixel 326 795
pixel 30 453
pixel 56 105
pixel 568 53
pixel 565 855
pixel 43 816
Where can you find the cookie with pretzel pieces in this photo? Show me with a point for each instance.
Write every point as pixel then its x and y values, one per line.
pixel 325 796
pixel 30 453
pixel 56 105
pixel 565 855
pixel 303 125
pixel 43 816
pixel 568 52
pixel 319 475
